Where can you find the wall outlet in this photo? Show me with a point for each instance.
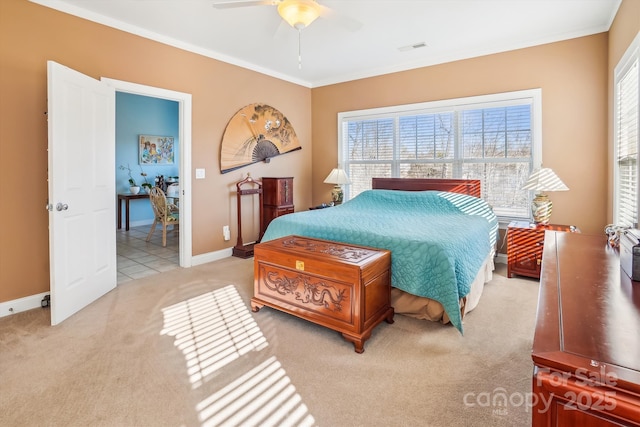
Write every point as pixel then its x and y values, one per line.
pixel 226 232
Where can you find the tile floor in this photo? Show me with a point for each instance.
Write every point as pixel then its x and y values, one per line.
pixel 138 258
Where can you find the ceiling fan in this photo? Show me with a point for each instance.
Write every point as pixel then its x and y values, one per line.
pixel 297 13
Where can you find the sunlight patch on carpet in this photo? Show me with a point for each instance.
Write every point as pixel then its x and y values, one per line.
pixel 212 330
pixel 263 396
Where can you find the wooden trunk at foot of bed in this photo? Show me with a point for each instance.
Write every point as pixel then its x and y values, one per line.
pixel 472 187
pixel 346 288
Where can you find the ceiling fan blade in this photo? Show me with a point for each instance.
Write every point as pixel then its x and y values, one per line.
pixel 339 19
pixel 243 3
pixel 283 30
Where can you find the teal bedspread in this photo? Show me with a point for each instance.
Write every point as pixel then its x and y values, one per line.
pixel 438 240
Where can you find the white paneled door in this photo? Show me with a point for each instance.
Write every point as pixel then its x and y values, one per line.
pixel 82 254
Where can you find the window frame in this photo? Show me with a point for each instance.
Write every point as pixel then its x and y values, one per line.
pixel 532 97
pixel 630 57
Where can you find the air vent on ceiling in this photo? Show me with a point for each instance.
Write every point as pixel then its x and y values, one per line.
pixel 412 46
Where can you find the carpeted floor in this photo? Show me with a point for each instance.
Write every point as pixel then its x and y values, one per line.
pixel 183 349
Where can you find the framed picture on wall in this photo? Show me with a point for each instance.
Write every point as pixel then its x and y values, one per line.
pixel 156 150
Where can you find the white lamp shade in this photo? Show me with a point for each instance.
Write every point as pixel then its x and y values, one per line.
pixel 337 176
pixel 299 13
pixel 544 180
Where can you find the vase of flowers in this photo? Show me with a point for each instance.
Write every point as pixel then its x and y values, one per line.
pixel 134 188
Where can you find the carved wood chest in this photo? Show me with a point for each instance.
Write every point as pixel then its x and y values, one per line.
pixel 343 287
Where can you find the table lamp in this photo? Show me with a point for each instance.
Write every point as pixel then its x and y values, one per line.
pixel 338 177
pixel 542 180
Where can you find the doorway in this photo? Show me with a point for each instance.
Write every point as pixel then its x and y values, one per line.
pixel 155 121
pixel 137 258
pixel 184 126
pixel 82 211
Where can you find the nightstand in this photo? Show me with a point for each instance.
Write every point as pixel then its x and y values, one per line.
pixel 322 206
pixel 524 246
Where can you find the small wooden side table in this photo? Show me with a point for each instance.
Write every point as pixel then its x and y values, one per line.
pixel 322 206
pixel 525 242
pixel 126 197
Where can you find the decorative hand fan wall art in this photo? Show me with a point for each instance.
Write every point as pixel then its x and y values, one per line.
pixel 254 134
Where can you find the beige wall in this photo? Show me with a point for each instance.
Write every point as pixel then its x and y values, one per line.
pixel 574 76
pixel 576 80
pixel 30 35
pixel 573 79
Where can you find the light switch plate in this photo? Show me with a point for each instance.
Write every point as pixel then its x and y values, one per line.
pixel 200 173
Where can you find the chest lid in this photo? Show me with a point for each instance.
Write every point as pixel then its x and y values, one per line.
pixel 317 248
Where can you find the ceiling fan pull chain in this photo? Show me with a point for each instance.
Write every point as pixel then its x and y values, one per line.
pixel 299 49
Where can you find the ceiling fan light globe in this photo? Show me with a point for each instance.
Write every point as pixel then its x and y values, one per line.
pixel 299 13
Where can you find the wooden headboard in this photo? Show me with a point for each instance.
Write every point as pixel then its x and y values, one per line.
pixel 471 187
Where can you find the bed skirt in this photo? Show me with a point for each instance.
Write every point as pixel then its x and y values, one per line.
pixel 428 309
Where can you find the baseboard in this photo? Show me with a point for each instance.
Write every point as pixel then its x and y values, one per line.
pixel 21 304
pixel 211 256
pixel 34 301
pixel 140 223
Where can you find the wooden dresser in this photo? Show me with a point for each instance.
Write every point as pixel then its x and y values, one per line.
pixel 586 348
pixel 346 288
pixel 277 199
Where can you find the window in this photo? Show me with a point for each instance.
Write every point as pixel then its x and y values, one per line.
pixel 625 137
pixel 494 138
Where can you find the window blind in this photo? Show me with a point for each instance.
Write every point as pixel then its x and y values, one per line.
pixel 627 98
pixel 492 138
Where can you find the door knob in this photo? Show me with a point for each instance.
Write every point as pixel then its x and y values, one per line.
pixel 62 207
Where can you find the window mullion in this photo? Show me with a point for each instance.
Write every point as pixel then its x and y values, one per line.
pixel 395 163
pixel 458 151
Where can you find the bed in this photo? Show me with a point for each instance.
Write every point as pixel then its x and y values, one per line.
pixel 441 235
